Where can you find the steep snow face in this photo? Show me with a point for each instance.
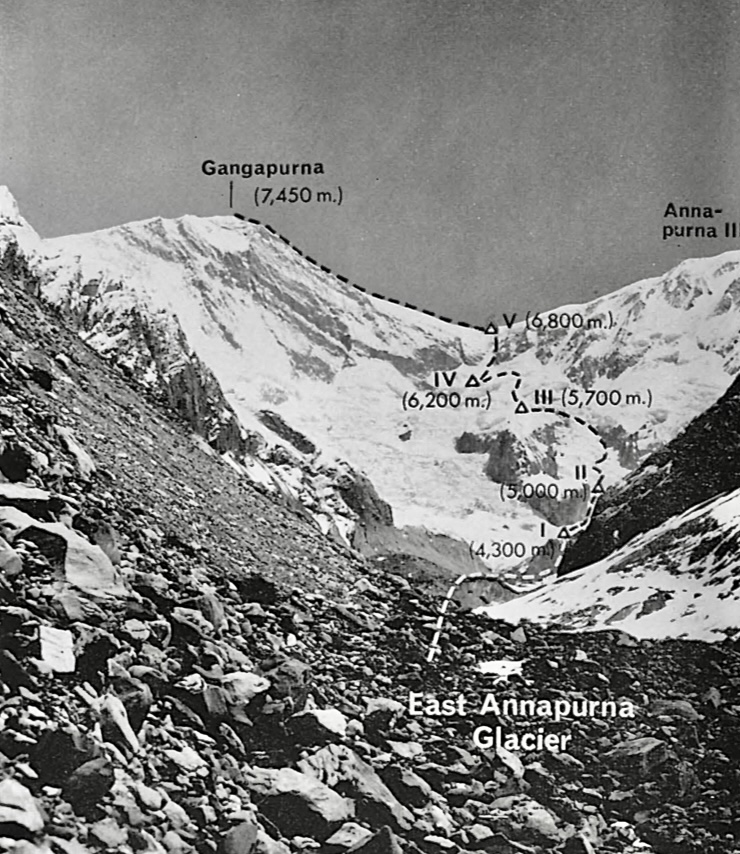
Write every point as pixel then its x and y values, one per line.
pixel 270 321
pixel 678 580
pixel 282 335
pixel 277 333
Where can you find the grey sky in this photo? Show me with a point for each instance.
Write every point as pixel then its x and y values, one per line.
pixel 494 156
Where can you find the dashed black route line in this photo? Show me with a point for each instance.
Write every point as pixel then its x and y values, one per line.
pixel 566 530
pixel 347 281
pixel 521 408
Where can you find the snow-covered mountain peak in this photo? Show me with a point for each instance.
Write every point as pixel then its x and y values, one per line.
pixel 221 255
pixel 14 229
pixel 280 335
pixel 9 212
pixel 233 286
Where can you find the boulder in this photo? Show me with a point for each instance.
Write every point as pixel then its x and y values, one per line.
pixel 137 699
pixel 639 754
pixel 84 461
pixel 186 758
pixel 241 688
pixel 518 635
pixel 318 726
pixel 13 673
pixel 115 723
pixel 74 846
pixel 267 845
pixel 290 678
pixel 523 819
pixel 84 565
pixel 380 712
pixel 88 784
pixel 347 837
pixel 59 752
pixel 20 817
pixel 192 619
pixel 148 797
pixel 10 561
pixel 408 787
pixel 434 844
pixel 674 709
pixel 213 610
pixel 28 499
pixel 94 646
pixel 477 834
pixel 406 749
pixel 256 588
pixel 382 842
pixel 109 833
pixel 298 803
pixel 240 839
pixel 15 463
pixel 57 649
pixel 105 536
pixel 341 768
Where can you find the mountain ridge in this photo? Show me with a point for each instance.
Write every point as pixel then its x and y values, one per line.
pixel 346 280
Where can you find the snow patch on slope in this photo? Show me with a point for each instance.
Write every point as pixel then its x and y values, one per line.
pixel 678 580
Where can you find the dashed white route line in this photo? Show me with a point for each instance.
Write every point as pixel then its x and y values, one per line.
pixel 491 329
pixel 571 530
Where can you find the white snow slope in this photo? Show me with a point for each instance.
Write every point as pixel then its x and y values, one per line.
pixel 655 586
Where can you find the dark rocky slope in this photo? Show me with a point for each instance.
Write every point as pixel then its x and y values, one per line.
pixel 702 462
pixel 187 665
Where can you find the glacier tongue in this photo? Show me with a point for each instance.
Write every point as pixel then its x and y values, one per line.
pixel 224 315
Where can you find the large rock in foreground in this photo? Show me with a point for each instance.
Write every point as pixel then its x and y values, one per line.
pixel 299 804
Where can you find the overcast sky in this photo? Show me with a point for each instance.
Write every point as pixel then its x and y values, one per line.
pixel 494 155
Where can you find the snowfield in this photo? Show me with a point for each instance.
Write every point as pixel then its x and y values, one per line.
pixel 653 587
